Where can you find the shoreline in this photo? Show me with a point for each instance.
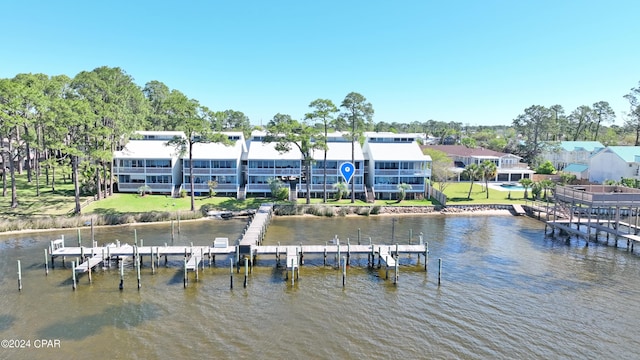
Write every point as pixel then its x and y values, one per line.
pixel 385 211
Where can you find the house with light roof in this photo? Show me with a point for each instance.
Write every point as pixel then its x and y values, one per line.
pixel 338 152
pixel 215 162
pixel 262 162
pixel 614 163
pixel 394 159
pixel 508 166
pixel 148 161
pixel 565 153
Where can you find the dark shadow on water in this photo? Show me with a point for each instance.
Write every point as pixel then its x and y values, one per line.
pixel 6 321
pixel 178 277
pixel 125 316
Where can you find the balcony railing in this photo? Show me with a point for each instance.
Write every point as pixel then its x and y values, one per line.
pixel 211 171
pixel 514 166
pixel 128 170
pixel 150 170
pixel 155 187
pixel 275 171
pixel 320 188
pixel 394 188
pixel 205 187
pixel 403 172
pixel 257 188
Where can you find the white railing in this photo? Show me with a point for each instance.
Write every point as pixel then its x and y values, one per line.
pixel 274 171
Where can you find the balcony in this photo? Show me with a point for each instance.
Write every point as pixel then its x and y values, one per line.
pixel 257 188
pixel 514 166
pixel 205 187
pixel 320 188
pixel 403 172
pixel 275 171
pixel 394 188
pixel 211 171
pixel 155 188
pixel 128 170
pixel 151 170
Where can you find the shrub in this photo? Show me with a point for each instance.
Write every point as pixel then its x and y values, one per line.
pixel 375 210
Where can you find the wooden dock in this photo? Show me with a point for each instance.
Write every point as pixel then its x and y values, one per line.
pixel 195 256
pixel 589 229
pixel 517 208
pixel 245 252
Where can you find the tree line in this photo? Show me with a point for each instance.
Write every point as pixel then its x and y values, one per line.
pixel 62 127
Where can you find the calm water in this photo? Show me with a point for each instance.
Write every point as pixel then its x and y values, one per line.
pixel 507 292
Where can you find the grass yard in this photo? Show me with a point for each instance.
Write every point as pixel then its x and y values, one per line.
pixel 133 203
pixel 457 194
pixel 59 202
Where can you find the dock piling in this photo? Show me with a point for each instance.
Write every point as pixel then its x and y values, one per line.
pixel 395 274
pixel 231 271
pixel 46 262
pixel 386 267
pixel 184 280
pixel 439 270
pixel 138 261
pixel 153 268
pixel 293 269
pixel 344 271
pixel 73 275
pixel 246 271
pixel 121 275
pixel 19 276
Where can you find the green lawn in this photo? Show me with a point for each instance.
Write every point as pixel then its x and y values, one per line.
pixel 134 203
pixel 61 202
pixel 457 194
pixel 49 202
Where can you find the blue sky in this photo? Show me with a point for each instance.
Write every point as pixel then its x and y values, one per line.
pixel 474 62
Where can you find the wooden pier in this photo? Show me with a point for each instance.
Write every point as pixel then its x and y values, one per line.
pixel 517 208
pixel 590 210
pixel 194 257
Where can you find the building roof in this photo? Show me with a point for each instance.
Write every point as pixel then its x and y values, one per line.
pixel 161 133
pixel 626 153
pixel 576 168
pixel 259 150
pixel 217 150
pixel 463 151
pixel 339 151
pixel 145 149
pixel 396 152
pixel 581 145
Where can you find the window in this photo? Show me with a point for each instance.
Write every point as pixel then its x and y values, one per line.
pixel 223 164
pixel 159 179
pixel 159 163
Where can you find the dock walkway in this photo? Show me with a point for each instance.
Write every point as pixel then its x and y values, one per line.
pixel 517 208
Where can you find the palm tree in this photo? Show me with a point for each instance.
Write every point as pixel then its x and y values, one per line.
pixel 488 169
pixel 212 184
pixel 342 189
pixel 473 172
pixel 547 185
pixel 402 188
pixel 526 184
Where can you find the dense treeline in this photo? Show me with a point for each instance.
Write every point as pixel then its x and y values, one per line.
pixel 67 128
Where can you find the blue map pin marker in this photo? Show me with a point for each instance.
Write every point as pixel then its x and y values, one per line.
pixel 347 169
